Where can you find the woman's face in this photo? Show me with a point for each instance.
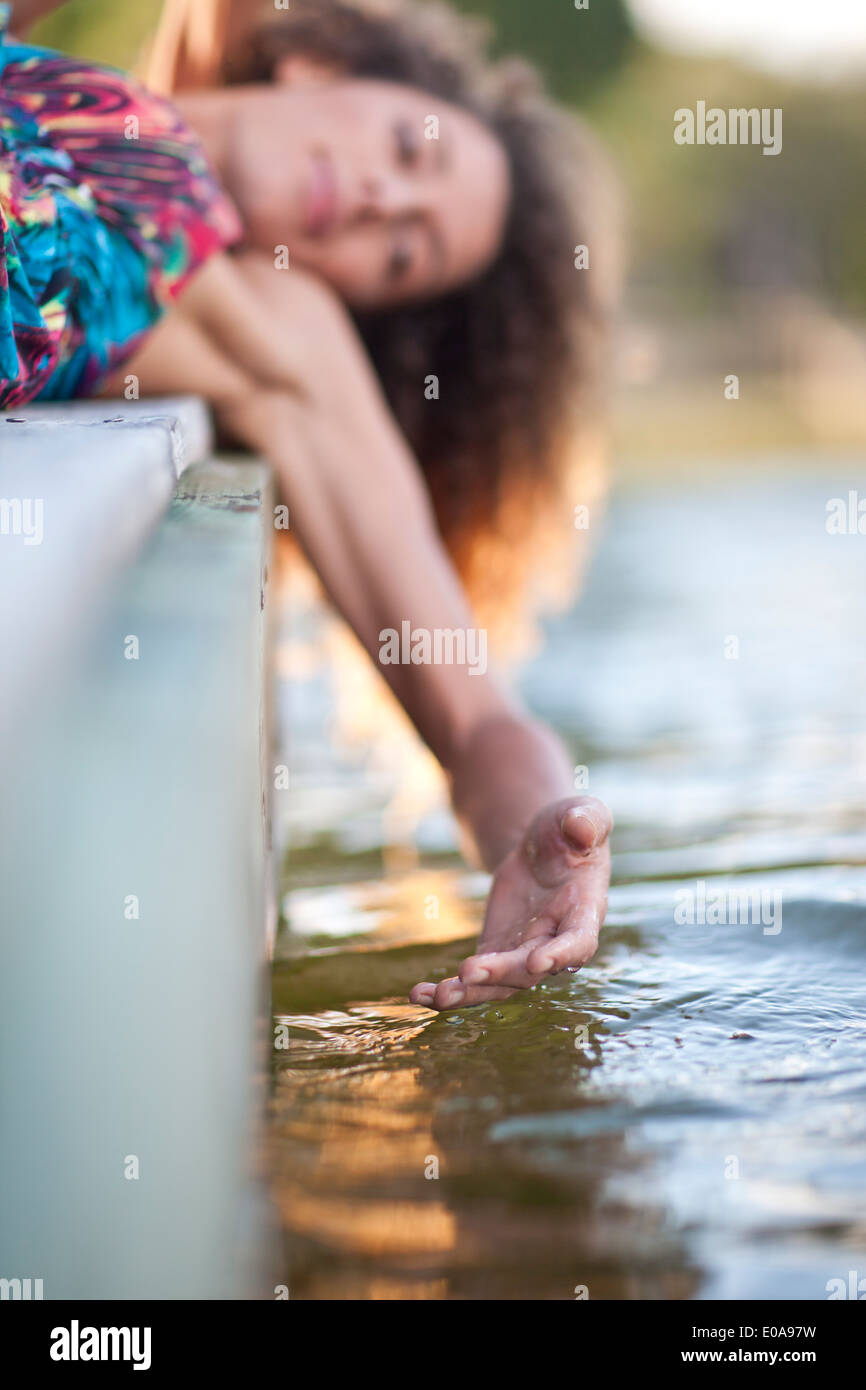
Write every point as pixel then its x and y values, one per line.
pixel 387 193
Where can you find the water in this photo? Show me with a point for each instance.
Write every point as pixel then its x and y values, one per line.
pixel 686 1118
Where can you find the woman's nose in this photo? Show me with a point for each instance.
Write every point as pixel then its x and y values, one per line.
pixel 389 195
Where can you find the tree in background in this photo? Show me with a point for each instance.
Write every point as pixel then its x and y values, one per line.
pixel 578 50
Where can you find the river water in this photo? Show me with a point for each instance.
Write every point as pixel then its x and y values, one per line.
pixel 686 1117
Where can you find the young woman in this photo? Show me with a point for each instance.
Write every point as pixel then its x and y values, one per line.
pixel 367 178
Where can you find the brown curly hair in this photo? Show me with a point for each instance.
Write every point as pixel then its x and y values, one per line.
pixel 518 352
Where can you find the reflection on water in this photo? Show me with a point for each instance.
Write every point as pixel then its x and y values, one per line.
pixel 686 1117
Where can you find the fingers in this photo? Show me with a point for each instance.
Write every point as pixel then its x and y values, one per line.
pixel 564 836
pixel 565 852
pixel 574 944
pixel 499 968
pixel 586 823
pixel 568 952
pixel 451 993
pixel 500 974
pixel 423 994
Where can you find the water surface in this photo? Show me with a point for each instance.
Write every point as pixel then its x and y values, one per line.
pixel 686 1118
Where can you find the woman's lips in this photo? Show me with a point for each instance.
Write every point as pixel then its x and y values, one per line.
pixel 320 212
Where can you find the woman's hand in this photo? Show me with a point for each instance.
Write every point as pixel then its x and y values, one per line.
pixel 546 906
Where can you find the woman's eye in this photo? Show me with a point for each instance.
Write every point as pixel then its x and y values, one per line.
pixel 407 143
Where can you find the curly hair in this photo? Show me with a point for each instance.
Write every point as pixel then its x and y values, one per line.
pixel 517 352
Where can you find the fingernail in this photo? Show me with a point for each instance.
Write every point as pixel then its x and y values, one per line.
pixel 478 976
pixel 576 814
pixel 455 994
pixel 544 965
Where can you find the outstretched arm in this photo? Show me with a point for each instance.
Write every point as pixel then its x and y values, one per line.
pixel 280 361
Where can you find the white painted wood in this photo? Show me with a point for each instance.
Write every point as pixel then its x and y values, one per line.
pixel 189 417
pixel 134 1032
pixel 77 503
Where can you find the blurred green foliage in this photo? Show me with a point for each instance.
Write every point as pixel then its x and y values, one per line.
pixel 578 50
pixel 701 218
pixel 704 218
pixel 108 31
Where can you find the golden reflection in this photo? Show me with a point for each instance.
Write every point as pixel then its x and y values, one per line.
pixel 411 1229
pixel 333 1171
pixel 424 906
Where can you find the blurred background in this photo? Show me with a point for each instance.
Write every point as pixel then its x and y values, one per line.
pixel 739 263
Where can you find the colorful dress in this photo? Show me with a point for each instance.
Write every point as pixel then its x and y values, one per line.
pixel 107 206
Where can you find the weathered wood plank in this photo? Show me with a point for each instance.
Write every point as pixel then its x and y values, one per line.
pixel 77 503
pixel 134 853
pixel 188 417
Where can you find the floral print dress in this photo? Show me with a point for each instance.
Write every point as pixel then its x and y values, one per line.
pixel 108 205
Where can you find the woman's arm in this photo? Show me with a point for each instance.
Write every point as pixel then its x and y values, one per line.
pixel 279 359
pixel 193 37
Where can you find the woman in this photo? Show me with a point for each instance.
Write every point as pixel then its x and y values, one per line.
pixel 229 265
pixel 514 351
